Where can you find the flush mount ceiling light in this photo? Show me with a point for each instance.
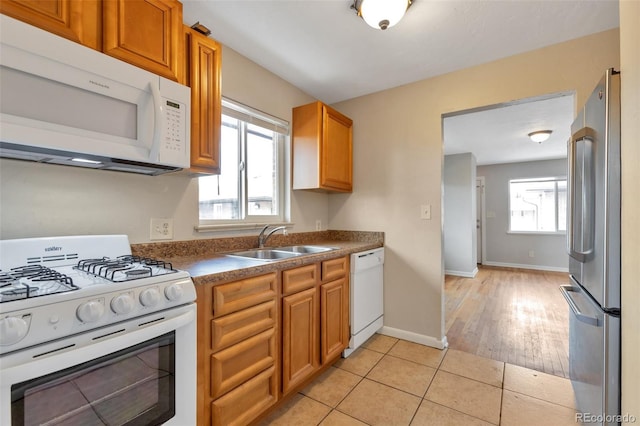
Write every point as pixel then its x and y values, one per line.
pixel 540 135
pixel 381 14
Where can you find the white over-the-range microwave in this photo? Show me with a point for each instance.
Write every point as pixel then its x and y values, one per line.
pixel 64 103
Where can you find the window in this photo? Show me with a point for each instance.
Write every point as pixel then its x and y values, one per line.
pixel 538 205
pixel 251 185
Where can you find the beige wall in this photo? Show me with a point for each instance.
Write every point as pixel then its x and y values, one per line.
pixel 630 81
pixel 398 163
pixel 46 200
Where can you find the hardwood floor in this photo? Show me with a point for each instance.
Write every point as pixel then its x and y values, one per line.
pixel 512 315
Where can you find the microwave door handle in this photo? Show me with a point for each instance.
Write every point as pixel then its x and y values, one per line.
pixel 157 123
pixel 583 135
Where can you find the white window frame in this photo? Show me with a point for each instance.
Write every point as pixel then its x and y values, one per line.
pixel 554 179
pixel 281 128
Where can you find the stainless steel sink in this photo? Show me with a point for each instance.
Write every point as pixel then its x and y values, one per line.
pixel 279 253
pixel 269 255
pixel 305 249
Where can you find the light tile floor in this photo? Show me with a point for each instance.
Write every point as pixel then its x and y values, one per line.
pixel 394 382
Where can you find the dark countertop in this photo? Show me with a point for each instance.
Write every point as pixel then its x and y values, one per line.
pixel 217 267
pixel 207 261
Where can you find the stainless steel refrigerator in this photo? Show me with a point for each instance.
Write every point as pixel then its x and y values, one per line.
pixel 593 244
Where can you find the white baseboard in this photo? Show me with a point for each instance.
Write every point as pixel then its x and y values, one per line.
pixel 525 266
pixel 415 337
pixel 465 274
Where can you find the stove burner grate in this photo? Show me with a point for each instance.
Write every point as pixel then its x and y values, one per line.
pixel 125 268
pixel 30 281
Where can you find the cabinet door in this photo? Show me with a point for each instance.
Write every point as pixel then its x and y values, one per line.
pixel 336 162
pixel 76 20
pixel 299 337
pixel 145 33
pixel 204 61
pixel 334 318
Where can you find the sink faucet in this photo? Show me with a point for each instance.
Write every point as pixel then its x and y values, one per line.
pixel 262 238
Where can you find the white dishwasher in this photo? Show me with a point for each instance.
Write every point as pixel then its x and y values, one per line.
pixel 366 304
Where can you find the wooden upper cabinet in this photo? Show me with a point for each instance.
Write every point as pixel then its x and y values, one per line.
pixel 322 149
pixel 203 65
pixel 145 33
pixel 76 20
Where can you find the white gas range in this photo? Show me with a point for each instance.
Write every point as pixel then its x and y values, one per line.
pixel 83 306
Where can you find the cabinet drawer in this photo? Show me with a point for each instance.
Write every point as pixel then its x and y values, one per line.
pixel 237 364
pixel 246 402
pixel 299 279
pixel 234 328
pixel 232 297
pixel 334 268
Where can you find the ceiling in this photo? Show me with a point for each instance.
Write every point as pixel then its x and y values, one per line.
pixel 326 50
pixel 499 134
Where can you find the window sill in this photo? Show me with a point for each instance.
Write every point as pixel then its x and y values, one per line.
pixel 226 227
pixel 560 234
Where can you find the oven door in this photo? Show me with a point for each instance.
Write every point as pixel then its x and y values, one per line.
pixel 140 372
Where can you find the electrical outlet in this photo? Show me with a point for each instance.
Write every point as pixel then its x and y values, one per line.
pixel 318 225
pixel 425 211
pixel 532 253
pixel 161 229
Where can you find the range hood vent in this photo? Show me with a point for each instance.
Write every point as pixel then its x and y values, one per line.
pixel 51 156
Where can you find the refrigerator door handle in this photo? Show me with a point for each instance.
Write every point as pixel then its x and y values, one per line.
pixel 585 134
pixel 566 290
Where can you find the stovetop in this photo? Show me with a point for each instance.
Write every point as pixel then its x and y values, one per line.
pixel 58 286
pixel 30 281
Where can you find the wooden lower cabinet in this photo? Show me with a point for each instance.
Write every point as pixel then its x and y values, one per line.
pixel 246 402
pixel 264 337
pixel 239 363
pixel 334 319
pixel 299 337
pixel 315 321
pixel 238 355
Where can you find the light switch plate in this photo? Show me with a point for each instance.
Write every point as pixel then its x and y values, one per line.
pixel 425 211
pixel 161 229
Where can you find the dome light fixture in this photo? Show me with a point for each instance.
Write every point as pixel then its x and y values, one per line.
pixel 540 136
pixel 381 14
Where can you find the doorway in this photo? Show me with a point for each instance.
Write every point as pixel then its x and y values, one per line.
pixel 502 312
pixel 480 219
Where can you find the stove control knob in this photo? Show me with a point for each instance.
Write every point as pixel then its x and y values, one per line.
pixel 149 297
pixel 122 304
pixel 12 330
pixel 90 311
pixel 173 292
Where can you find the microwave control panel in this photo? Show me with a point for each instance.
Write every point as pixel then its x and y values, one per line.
pixel 175 142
